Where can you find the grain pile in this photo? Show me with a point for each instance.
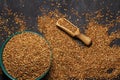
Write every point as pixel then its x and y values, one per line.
pixel 72 61
pixel 26 56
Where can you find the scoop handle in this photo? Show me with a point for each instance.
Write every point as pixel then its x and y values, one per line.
pixel 84 38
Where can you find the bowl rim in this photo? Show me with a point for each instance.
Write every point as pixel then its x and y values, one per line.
pixel 5 42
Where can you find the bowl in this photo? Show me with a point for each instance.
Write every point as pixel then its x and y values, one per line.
pixel 1 53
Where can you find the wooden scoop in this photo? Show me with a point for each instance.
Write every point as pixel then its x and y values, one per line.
pixel 72 30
